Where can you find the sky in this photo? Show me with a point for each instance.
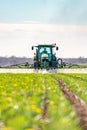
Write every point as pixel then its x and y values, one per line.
pixel 24 23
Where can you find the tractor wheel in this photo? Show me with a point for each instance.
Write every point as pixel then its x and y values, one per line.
pixel 54 64
pixel 36 65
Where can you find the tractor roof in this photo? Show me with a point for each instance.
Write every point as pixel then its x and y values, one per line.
pixel 46 45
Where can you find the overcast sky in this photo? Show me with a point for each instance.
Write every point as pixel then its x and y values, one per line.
pixel 24 23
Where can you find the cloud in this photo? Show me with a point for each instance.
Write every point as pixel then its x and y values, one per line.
pixel 17 39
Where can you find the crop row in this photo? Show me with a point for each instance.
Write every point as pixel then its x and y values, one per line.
pixel 77 83
pixel 34 101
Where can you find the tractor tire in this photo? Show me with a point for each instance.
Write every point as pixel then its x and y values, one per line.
pixel 36 65
pixel 54 64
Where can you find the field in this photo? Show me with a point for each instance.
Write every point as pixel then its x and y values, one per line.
pixel 36 102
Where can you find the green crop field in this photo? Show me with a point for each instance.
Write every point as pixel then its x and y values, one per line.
pixel 77 83
pixel 36 102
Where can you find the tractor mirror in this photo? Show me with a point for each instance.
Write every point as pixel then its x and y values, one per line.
pixel 32 48
pixel 57 48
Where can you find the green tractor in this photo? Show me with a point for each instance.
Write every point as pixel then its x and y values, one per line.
pixel 44 57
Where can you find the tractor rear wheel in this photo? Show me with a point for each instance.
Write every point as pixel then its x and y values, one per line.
pixel 36 65
pixel 54 64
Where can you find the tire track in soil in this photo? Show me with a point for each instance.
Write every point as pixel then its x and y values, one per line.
pixel 79 105
pixel 45 106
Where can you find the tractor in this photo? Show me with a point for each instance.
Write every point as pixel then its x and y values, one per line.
pixel 45 58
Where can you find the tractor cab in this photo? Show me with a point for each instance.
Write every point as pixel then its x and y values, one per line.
pixel 44 53
pixel 44 57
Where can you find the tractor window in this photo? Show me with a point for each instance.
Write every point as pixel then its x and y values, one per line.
pixel 45 49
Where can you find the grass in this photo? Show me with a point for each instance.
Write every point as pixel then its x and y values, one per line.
pixel 23 97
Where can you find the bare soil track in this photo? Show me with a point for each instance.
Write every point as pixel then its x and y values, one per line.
pixel 79 105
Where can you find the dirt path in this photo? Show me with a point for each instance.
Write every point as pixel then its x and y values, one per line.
pixel 79 105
